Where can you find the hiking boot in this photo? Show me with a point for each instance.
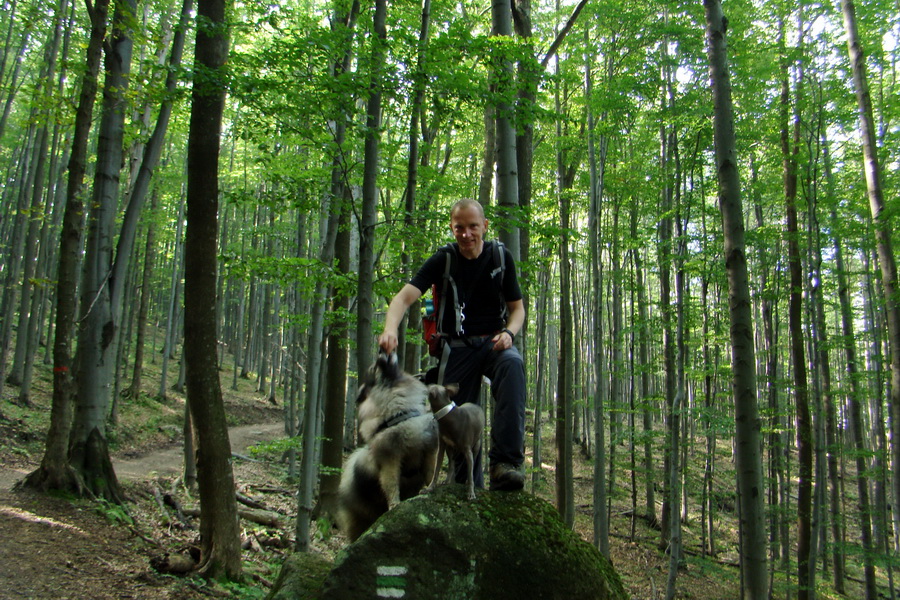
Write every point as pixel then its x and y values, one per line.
pixel 506 478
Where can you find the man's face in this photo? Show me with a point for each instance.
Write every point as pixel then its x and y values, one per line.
pixel 468 227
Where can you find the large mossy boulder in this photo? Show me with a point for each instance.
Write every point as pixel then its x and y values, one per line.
pixel 443 546
pixel 301 577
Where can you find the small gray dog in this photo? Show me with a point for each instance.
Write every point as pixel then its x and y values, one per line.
pixel 460 430
pixel 400 439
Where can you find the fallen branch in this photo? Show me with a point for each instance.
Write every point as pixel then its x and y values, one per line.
pixel 262 517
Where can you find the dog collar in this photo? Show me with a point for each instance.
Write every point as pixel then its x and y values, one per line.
pixel 399 418
pixel 444 411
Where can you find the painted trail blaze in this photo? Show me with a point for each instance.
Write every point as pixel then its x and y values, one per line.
pixel 390 582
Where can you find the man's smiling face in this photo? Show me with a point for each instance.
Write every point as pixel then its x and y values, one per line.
pixel 469 225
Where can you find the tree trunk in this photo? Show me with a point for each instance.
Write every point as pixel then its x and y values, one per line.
pixel 27 319
pixel 99 328
pixel 883 226
pixel 565 492
pixel 565 501
pixel 144 306
pixel 789 149
pixel 55 473
pixel 743 361
pixel 334 206
pixel 335 393
pixel 507 169
pixel 219 529
pixel 597 170
pixel 364 307
pixel 412 354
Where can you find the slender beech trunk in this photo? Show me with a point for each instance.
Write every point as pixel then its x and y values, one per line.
pixel 311 414
pixel 335 392
pixel 743 363
pixel 882 224
pixel 507 168
pixel 364 305
pixel 597 169
pixel 789 148
pixel 219 528
pixel 413 348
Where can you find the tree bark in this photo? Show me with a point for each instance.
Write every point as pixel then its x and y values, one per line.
pixel 365 339
pixel 789 149
pixel 743 360
pixel 507 168
pixel 98 332
pixel 219 530
pixel 597 169
pixel 882 224
pixel 55 473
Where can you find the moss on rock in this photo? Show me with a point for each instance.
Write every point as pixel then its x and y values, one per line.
pixel 443 546
pixel 301 577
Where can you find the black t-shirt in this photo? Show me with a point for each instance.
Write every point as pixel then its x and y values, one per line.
pixel 480 296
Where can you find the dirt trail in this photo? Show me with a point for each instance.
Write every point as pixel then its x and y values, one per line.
pixel 169 461
pixel 53 549
pixel 162 462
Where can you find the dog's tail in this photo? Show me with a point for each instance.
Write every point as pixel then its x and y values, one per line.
pixel 389 366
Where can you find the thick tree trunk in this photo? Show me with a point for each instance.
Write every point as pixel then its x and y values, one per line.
pixel 219 529
pixel 55 472
pixel 99 328
pixel 743 362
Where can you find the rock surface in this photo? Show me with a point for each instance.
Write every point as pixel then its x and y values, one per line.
pixel 443 546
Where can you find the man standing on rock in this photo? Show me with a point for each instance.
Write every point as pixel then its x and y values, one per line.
pixel 488 312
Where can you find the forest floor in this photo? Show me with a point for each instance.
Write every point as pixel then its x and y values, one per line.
pixel 56 547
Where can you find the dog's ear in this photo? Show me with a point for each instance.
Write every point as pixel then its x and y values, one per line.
pixel 452 389
pixel 367 381
pixel 389 366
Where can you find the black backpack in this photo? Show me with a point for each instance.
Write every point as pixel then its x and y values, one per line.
pixel 432 322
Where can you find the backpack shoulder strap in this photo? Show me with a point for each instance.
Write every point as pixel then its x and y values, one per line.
pixel 449 282
pixel 499 257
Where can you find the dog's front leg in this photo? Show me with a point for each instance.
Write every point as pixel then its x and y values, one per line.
pixel 470 469
pixel 389 478
pixel 437 468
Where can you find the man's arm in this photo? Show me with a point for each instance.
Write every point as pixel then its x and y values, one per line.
pixel 514 323
pixel 408 294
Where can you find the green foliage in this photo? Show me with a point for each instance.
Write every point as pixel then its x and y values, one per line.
pixel 115 513
pixel 276 448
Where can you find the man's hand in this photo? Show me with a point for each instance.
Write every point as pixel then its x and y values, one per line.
pixel 502 341
pixel 388 341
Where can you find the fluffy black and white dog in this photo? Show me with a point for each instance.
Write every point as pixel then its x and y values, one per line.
pixel 401 440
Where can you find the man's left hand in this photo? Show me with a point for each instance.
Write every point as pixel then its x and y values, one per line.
pixel 502 341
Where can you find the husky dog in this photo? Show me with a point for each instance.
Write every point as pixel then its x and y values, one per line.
pixel 460 430
pixel 398 457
